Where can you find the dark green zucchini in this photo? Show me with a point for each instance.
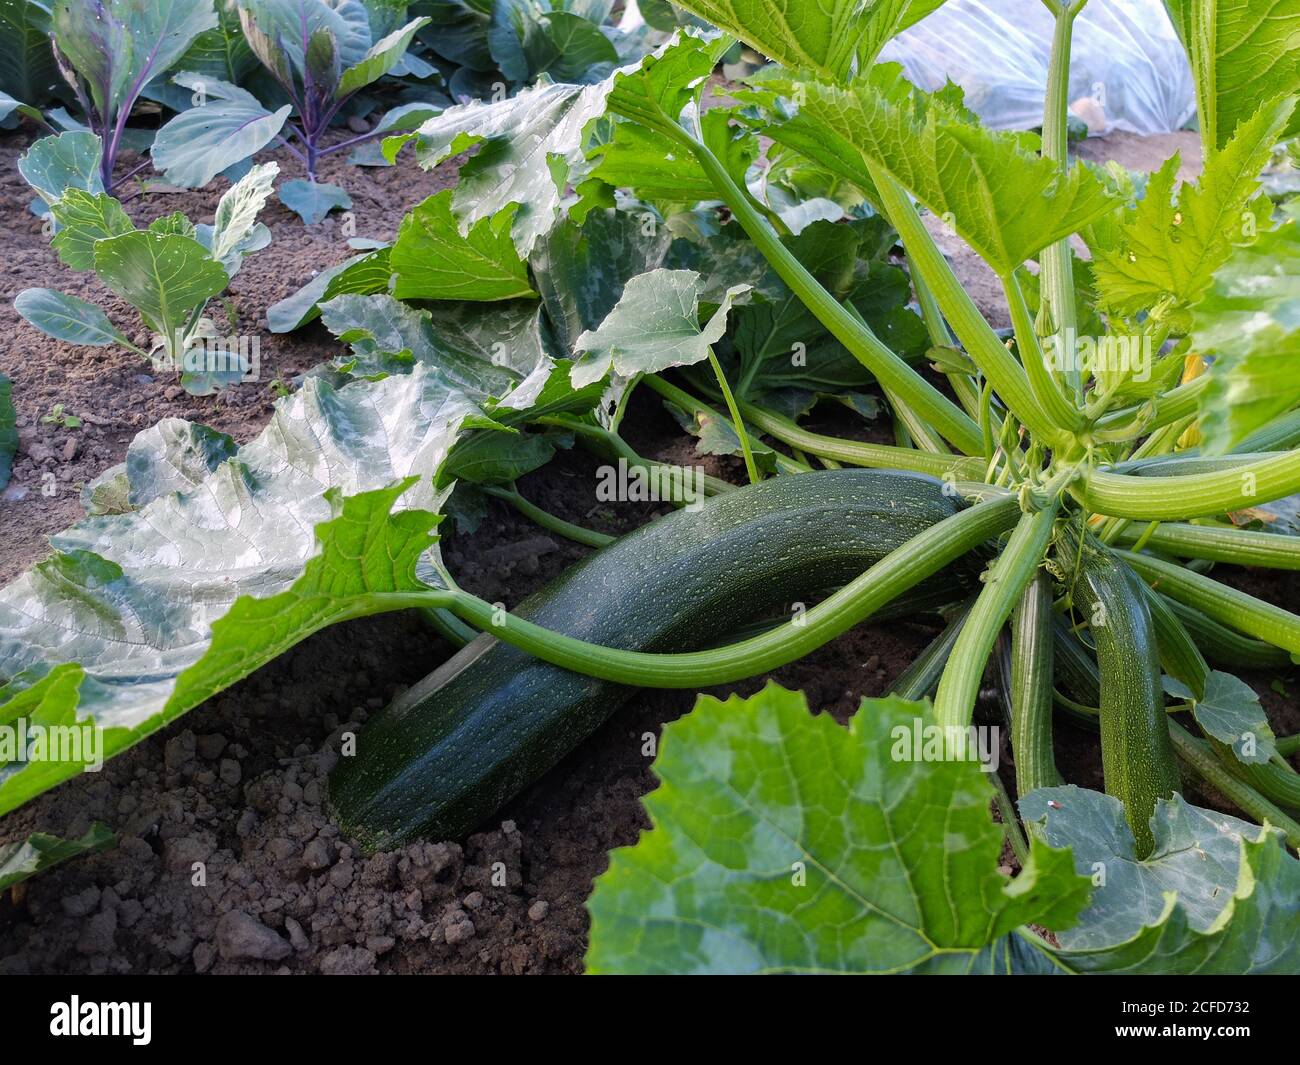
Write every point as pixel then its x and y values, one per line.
pixel 1137 755
pixel 492 719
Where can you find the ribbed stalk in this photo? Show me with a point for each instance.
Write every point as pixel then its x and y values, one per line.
pixel 922 556
pixel 894 375
pixel 1177 498
pixel 963 385
pixel 918 680
pixel 1010 574
pixel 975 334
pixel 1224 646
pixel 1074 665
pixel 1276 784
pixel 1281 434
pixel 853 452
pixel 737 424
pixel 1057 266
pixel 611 445
pixel 1041 381
pixel 1201 760
pixel 1221 543
pixel 1133 422
pixel 1031 688
pixel 1236 609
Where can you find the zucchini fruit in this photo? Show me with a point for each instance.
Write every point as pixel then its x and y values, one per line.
pixel 1137 755
pixel 491 720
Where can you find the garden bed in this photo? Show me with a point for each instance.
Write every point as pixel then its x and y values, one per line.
pixel 239 784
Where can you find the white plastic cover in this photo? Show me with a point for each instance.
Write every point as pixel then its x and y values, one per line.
pixel 1128 70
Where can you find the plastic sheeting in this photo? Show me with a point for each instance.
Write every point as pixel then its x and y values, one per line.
pixel 1128 70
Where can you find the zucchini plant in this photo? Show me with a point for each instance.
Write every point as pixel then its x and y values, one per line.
pixel 482 47
pixel 1060 488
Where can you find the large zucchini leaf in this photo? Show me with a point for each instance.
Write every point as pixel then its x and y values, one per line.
pixel 1216 895
pixel 836 38
pixel 112 629
pixel 993 189
pixel 1243 54
pixel 783 843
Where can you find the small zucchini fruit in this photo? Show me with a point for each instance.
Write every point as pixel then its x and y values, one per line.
pixel 1137 755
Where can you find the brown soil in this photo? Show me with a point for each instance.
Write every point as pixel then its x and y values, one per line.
pixel 116 393
pixel 235 790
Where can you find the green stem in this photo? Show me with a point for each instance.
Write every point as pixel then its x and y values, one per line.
pixel 1179 656
pixel 1041 382
pixel 977 336
pixel 1074 665
pixel 1010 822
pixel 853 452
pixel 1218 543
pixel 935 326
pixel 1224 646
pixel 737 425
pixel 1007 580
pixel 986 421
pixel 1177 498
pixel 448 626
pixel 921 557
pixel 1288 745
pixel 1197 755
pixel 1163 440
pixel 1281 434
pixel 1130 423
pixel 906 420
pixel 894 375
pixel 861 453
pixel 679 397
pixel 1184 465
pixel 546 519
pixel 611 445
pixel 1031 688
pixel 1202 27
pixel 962 384
pixel 1236 609
pixel 620 408
pixel 1057 265
pixel 918 680
pixel 1079 709
pixel 1277 783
